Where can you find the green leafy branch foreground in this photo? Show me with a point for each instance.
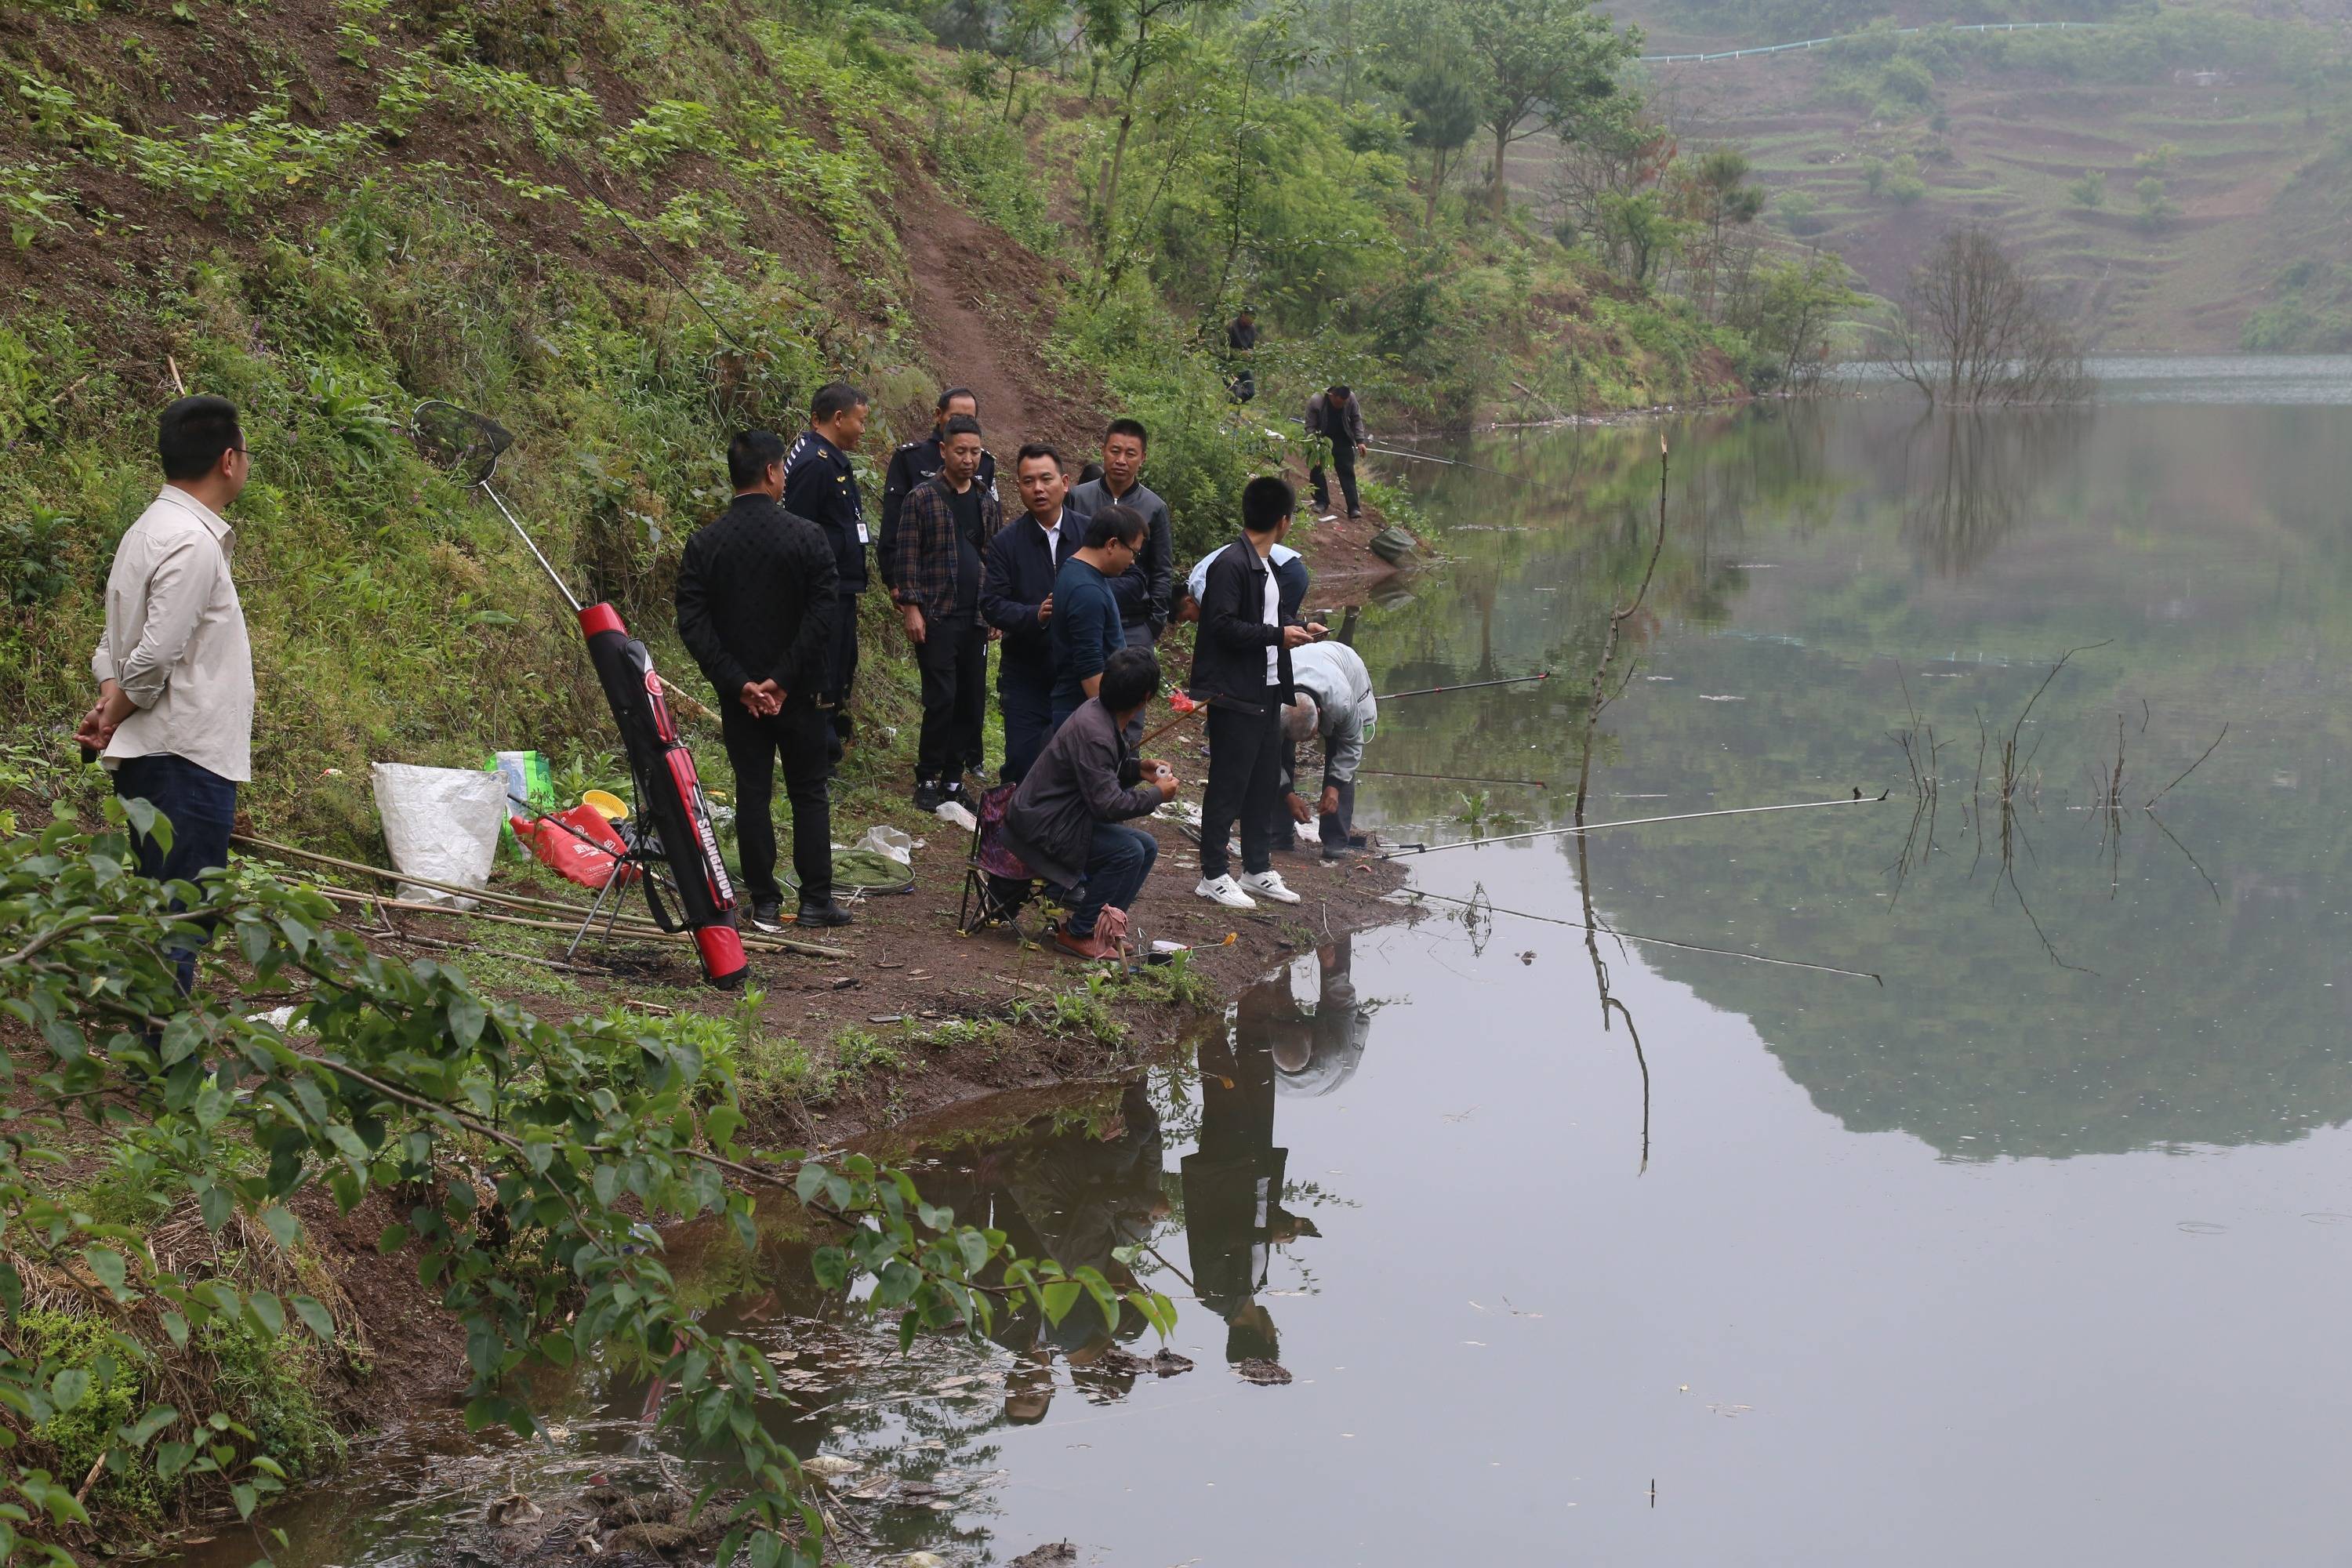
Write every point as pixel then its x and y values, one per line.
pixel 532 1163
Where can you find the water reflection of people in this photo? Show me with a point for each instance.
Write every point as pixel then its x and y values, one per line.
pixel 1335 1035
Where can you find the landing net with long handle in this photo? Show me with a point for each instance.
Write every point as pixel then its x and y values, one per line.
pixel 467 446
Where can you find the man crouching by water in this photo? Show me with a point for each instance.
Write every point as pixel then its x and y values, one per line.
pixel 174 670
pixel 1067 819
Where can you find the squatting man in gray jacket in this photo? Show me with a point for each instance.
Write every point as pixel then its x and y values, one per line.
pixel 1067 819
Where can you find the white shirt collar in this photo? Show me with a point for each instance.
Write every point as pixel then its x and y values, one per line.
pixel 214 522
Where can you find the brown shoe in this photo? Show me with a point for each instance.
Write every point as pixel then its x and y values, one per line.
pixel 1093 949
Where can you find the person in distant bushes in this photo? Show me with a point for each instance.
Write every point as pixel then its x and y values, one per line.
pixel 1241 343
pixel 1016 597
pixel 916 461
pixel 1086 629
pixel 1142 590
pixel 1067 819
pixel 1241 668
pixel 819 486
pixel 945 528
pixel 174 719
pixel 1336 415
pixel 757 595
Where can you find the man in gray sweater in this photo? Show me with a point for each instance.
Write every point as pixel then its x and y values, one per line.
pixel 1067 819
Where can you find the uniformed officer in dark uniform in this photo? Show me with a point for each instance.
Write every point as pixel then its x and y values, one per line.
pixel 913 463
pixel 819 486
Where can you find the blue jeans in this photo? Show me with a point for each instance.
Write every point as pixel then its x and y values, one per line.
pixel 202 806
pixel 1120 860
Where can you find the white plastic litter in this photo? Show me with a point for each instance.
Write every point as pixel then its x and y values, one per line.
pixel 441 823
pixel 894 842
pixel 954 811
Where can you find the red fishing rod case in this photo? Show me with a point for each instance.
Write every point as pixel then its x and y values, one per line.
pixel 669 797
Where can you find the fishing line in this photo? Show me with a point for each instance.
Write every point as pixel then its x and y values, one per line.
pixel 1404 850
pixel 1654 941
pixel 1473 686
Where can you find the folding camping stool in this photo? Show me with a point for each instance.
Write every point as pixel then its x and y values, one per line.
pixel 996 881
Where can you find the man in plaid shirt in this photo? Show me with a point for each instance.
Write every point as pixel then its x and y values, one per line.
pixel 943 526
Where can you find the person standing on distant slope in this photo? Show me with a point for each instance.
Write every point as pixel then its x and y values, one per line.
pixel 1085 628
pixel 174 669
pixel 756 602
pixel 913 463
pixel 1016 597
pixel 945 528
pixel 1241 668
pixel 819 486
pixel 1336 415
pixel 1241 344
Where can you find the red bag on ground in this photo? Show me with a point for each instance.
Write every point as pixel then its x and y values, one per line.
pixel 579 844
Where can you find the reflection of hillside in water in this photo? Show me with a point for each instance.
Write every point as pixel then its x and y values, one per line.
pixel 1815 550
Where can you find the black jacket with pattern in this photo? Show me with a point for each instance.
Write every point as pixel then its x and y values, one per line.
pixel 756 599
pixel 926 572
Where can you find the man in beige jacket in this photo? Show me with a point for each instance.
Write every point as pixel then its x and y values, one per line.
pixel 175 712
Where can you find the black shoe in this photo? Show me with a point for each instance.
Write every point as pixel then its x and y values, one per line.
pixel 1329 854
pixel 928 794
pixel 821 916
pixel 952 793
pixel 1355 517
pixel 1358 840
pixel 768 914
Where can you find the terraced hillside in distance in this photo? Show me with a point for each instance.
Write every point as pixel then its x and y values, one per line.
pixel 2183 178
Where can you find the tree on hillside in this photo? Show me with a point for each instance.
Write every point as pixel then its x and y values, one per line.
pixel 1619 148
pixel 1787 313
pixel 1976 329
pixel 1540 63
pixel 1132 38
pixel 1442 112
pixel 1713 196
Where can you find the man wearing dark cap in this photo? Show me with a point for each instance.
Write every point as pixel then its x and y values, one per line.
pixel 916 461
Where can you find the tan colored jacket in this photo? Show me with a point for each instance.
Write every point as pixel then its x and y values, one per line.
pixel 175 640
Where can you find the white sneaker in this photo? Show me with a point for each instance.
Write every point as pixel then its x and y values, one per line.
pixel 1268 885
pixel 1226 891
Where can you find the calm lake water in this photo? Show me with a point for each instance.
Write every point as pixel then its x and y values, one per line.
pixel 2035 1248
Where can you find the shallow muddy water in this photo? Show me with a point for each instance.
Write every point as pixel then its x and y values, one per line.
pixel 2028 1241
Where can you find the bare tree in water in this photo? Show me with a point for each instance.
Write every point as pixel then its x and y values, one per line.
pixel 1976 329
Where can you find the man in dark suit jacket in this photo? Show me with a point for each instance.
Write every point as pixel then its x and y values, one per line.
pixel 916 461
pixel 1016 597
pixel 756 601
pixel 943 528
pixel 819 486
pixel 1241 668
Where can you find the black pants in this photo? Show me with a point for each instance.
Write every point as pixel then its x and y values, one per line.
pixel 1337 825
pixel 1343 458
pixel 801 735
pixel 841 662
pixel 953 659
pixel 1025 697
pixel 1244 786
pixel 201 806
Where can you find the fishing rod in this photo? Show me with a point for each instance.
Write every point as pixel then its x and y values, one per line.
pixel 1858 798
pixel 1447 778
pixel 1653 941
pixel 1472 686
pixel 1449 462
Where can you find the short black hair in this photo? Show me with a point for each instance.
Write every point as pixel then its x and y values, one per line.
pixel 833 398
pixel 1123 523
pixel 193 434
pixel 1129 678
pixel 1127 427
pixel 959 424
pixel 1339 389
pixel 952 393
pixel 1039 449
pixel 750 455
pixel 1265 501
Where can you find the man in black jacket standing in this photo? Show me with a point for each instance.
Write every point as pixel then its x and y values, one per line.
pixel 916 461
pixel 756 602
pixel 1016 597
pixel 947 521
pixel 1336 415
pixel 820 487
pixel 1241 668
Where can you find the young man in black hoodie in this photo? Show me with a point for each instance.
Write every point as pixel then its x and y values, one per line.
pixel 819 486
pixel 756 601
pixel 1241 668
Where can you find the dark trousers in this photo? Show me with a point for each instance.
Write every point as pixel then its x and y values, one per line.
pixel 801 735
pixel 1121 858
pixel 1337 825
pixel 954 661
pixel 1025 697
pixel 1138 635
pixel 1244 786
pixel 1343 458
pixel 840 663
pixel 202 807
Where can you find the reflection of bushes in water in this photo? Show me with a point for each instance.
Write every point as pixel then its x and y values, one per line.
pixel 1969 475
